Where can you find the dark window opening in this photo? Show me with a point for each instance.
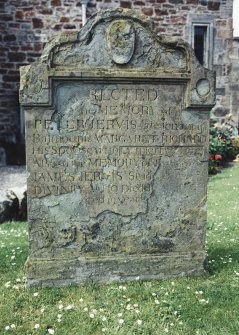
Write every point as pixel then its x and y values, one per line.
pixel 200 43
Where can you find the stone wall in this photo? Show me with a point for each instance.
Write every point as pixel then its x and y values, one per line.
pixel 26 25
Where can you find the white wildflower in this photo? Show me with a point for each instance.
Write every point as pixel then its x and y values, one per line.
pixel 122 288
pixel 37 326
pixel 139 322
pixel 121 321
pixel 69 307
pixel 203 301
pixel 50 330
pixel 35 294
pixel 16 287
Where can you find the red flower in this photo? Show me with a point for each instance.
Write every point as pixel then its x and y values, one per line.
pixel 218 157
pixel 210 157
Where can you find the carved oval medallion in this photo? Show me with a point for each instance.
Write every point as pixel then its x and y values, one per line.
pixel 121 41
pixel 203 87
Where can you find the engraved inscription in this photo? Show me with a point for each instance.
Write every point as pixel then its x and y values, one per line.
pixel 108 142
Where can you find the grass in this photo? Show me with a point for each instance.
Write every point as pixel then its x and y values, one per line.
pixel 186 306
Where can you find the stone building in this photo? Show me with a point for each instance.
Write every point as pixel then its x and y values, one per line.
pixel 26 25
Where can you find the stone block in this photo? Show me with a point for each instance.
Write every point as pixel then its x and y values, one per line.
pixel 212 5
pixel 147 11
pixel 37 23
pixel 161 12
pixel 64 19
pixel 69 26
pixel 177 2
pixel 11 79
pixel 9 38
pixel 46 11
pixel 6 17
pixel 56 3
pixel 139 3
pixel 125 4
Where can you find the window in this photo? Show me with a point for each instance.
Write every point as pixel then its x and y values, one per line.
pixel 200 44
pixel 199 33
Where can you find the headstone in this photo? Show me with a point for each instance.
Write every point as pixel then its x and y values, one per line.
pixel 117 122
pixel 2 157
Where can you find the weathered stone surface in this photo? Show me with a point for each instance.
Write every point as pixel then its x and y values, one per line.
pixel 121 41
pixel 117 145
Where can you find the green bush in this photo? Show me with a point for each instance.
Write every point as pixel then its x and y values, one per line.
pixel 223 145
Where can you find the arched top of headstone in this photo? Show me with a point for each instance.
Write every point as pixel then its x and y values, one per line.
pixel 119 37
pixel 116 43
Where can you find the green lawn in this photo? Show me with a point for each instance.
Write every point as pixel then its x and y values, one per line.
pixel 184 306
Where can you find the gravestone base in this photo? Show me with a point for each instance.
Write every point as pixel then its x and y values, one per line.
pixel 60 272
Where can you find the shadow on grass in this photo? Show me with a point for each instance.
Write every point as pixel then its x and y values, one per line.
pixel 221 257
